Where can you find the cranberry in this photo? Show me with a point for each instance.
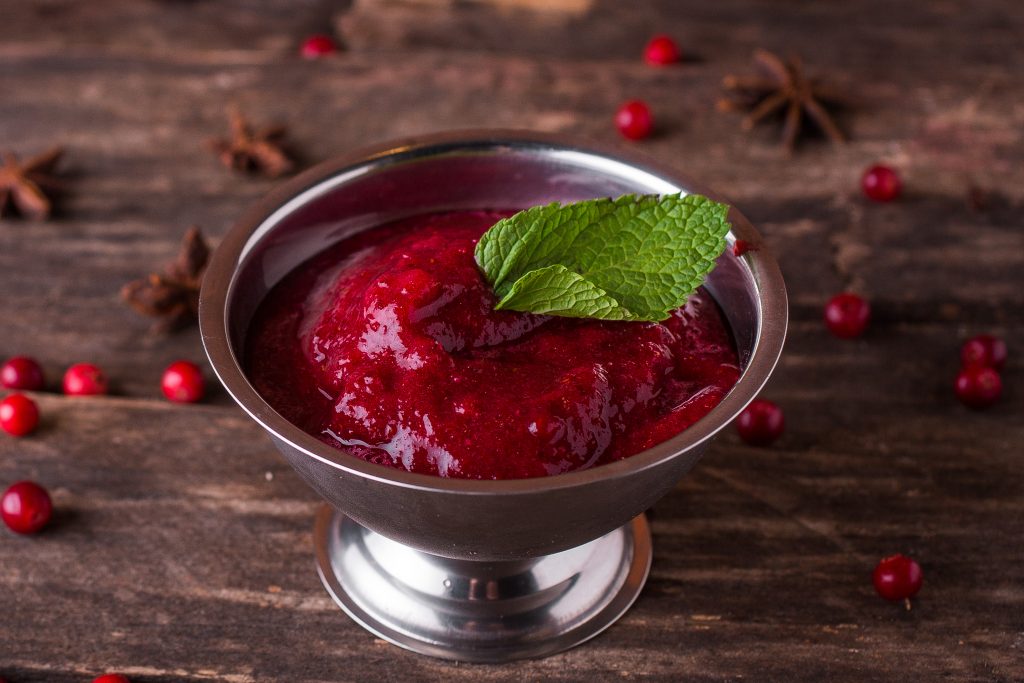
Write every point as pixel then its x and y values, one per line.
pixel 18 415
pixel 21 372
pixel 84 379
pixel 111 678
pixel 897 577
pixel 847 315
pixel 983 351
pixel 978 387
pixel 634 120
pixel 881 183
pixel 741 247
pixel 761 423
pixel 661 51
pixel 25 507
pixel 183 382
pixel 318 46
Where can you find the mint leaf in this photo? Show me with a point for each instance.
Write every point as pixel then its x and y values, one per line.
pixel 556 290
pixel 637 257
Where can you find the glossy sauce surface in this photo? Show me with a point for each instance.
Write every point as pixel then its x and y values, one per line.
pixel 388 345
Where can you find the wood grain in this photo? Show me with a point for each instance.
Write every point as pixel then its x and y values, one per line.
pixel 182 546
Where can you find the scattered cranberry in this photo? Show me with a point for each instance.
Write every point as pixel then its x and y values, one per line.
pixel 318 46
pixel 881 183
pixel 978 387
pixel 84 379
pixel 897 577
pixel 847 315
pixel 661 51
pixel 18 415
pixel 634 120
pixel 21 372
pixel 183 382
pixel 761 423
pixel 741 247
pixel 25 507
pixel 983 351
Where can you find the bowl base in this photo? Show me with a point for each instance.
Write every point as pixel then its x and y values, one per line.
pixel 475 611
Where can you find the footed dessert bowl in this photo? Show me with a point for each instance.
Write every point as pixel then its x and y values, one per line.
pixel 475 570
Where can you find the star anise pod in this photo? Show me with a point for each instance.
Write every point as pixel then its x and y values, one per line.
pixel 253 150
pixel 23 186
pixel 173 295
pixel 782 85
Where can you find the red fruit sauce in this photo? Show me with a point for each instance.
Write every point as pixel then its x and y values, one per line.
pixel 388 345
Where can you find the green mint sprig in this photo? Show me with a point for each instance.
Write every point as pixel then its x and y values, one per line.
pixel 637 257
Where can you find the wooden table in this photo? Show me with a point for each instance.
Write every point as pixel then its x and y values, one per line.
pixel 181 549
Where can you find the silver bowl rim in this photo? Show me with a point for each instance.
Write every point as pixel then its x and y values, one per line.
pixel 220 278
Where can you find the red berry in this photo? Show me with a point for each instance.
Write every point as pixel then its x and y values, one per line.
pixel 978 387
pixel 897 577
pixel 183 382
pixel 761 423
pixel 25 507
pixel 741 247
pixel 317 46
pixel 881 183
pixel 634 120
pixel 84 379
pixel 21 372
pixel 661 51
pixel 983 351
pixel 111 678
pixel 18 415
pixel 847 315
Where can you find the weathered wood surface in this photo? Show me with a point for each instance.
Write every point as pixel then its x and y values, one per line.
pixel 182 546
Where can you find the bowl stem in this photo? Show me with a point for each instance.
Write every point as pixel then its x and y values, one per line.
pixel 480 611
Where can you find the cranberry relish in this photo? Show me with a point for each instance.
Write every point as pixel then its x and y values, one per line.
pixel 388 345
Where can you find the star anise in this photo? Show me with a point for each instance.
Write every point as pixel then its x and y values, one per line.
pixel 253 150
pixel 782 85
pixel 23 186
pixel 173 295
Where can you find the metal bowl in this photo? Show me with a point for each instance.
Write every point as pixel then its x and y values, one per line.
pixel 489 523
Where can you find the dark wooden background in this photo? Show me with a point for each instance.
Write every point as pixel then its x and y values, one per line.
pixel 181 550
